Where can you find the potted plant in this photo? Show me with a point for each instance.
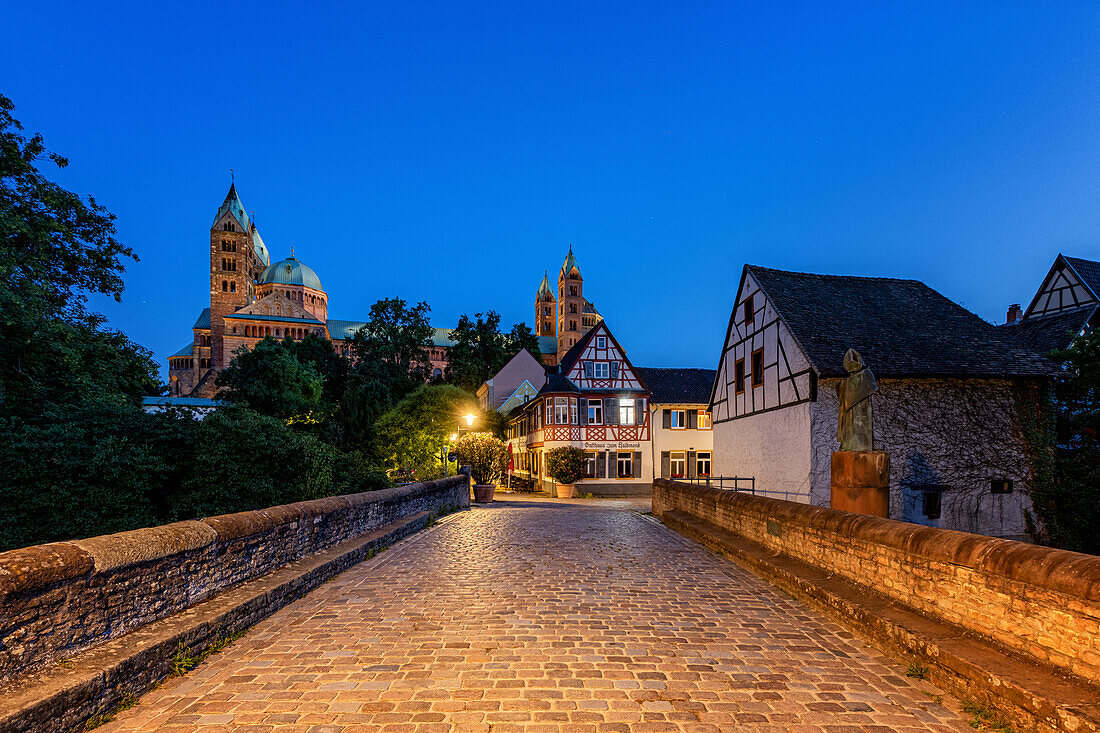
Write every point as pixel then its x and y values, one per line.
pixel 566 465
pixel 487 458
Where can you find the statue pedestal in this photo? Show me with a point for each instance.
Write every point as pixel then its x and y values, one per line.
pixel 861 482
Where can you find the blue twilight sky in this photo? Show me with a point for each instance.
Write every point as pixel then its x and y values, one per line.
pixel 451 152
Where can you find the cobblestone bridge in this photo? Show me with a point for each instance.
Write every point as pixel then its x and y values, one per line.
pixel 545 616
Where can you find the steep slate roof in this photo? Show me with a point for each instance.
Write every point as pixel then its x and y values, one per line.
pixel 558 383
pixel 1088 271
pixel 678 386
pixel 203 321
pixel 900 327
pixel 1051 332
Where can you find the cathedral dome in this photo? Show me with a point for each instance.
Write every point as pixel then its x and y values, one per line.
pixel 290 272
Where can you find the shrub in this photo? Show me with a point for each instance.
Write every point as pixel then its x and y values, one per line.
pixel 109 468
pixel 485 454
pixel 566 464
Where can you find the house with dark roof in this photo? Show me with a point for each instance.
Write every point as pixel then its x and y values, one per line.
pixel 1066 305
pixel 632 422
pixel 946 408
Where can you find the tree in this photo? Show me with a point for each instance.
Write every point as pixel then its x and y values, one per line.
pixel 390 360
pixel 1063 431
pixel 566 464
pixel 411 436
pixel 480 350
pixel 55 249
pixel 271 380
pixel 521 337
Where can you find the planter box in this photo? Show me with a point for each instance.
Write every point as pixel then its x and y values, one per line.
pixel 483 493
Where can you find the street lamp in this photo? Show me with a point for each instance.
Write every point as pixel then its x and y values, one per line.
pixel 470 420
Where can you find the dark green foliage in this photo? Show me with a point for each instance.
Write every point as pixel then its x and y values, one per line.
pixel 1063 431
pixel 271 380
pixel 55 248
pixel 109 468
pixel 411 437
pixel 480 350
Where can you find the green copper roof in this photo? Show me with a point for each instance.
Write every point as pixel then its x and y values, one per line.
pixel 233 205
pixel 343 330
pixel 570 263
pixel 188 350
pixel 290 272
pixel 265 317
pixel 544 288
pixel 259 247
pixel 203 321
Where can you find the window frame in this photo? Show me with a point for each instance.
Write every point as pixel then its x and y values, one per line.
pixel 674 457
pixel 590 464
pixel 561 410
pixel 627 403
pixel 596 370
pixel 619 458
pixel 749 315
pixel 739 376
pixel 601 342
pixel 595 411
pixel 678 415
pixel 703 416
pixel 699 459
pixel 758 353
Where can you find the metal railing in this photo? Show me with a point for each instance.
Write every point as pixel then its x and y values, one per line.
pixel 743 484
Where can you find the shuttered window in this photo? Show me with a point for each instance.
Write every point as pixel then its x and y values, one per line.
pixel 602 370
pixel 702 464
pixel 679 419
pixel 678 464
pixel 595 412
pixel 625 464
pixel 626 411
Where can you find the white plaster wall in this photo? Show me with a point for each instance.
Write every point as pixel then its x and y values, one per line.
pixel 772 446
pixel 959 433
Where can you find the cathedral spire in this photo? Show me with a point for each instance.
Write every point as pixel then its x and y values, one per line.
pixel 570 264
pixel 544 288
pixel 233 205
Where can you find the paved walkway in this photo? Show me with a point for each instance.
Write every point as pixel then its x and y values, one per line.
pixel 542 615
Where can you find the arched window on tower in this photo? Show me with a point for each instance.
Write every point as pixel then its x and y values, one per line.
pixel 225 286
pixel 233 287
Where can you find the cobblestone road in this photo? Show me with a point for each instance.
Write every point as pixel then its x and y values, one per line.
pixel 545 616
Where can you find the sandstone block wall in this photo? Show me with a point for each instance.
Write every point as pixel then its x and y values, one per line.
pixel 1041 602
pixel 60 598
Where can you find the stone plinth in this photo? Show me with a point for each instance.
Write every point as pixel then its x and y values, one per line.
pixel 861 482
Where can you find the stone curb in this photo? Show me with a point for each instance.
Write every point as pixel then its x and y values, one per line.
pixel 1033 697
pixel 58 699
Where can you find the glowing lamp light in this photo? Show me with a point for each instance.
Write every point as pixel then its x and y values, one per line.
pixel 469 420
pixel 454 436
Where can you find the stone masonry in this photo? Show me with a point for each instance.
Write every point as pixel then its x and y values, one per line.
pixel 545 616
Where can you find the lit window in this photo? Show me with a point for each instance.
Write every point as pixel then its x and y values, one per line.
pixel 601 342
pixel 561 410
pixel 590 465
pixel 601 370
pixel 626 411
pixel 1001 486
pixel 625 462
pixel 702 464
pixel 595 412
pixel 678 464
pixel 679 419
pixel 704 420
pixel 572 410
pixel 549 412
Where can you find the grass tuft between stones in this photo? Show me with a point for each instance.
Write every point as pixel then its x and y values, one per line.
pixel 984 718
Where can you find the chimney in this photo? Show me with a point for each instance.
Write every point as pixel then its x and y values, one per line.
pixel 1014 314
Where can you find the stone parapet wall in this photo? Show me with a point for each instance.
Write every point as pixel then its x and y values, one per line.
pixel 1037 601
pixel 60 598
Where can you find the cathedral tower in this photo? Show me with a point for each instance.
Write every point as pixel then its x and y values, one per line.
pixel 570 304
pixel 236 255
pixel 546 310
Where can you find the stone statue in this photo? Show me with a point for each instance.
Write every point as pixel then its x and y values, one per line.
pixel 854 429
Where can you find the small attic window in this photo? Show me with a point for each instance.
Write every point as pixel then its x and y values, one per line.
pixel 748 316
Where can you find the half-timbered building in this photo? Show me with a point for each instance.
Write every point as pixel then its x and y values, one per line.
pixel 945 410
pixel 1066 305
